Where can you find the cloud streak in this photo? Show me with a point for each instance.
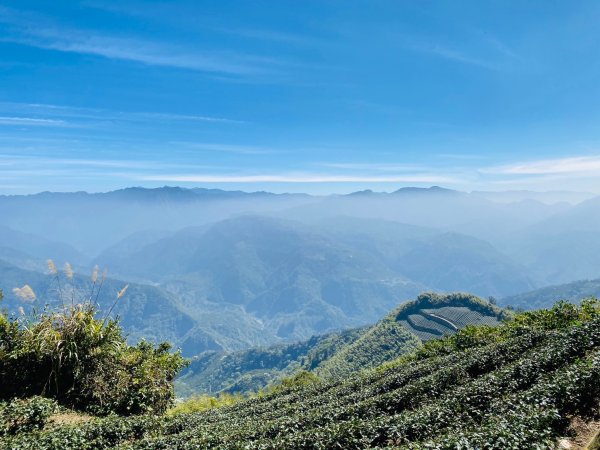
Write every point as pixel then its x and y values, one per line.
pixel 38 32
pixel 496 52
pixel 32 121
pixel 574 165
pixel 455 55
pixel 30 161
pixel 61 115
pixel 227 148
pixel 376 167
pixel 296 178
pixel 442 51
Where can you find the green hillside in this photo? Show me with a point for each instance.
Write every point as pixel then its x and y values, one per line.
pixel 253 369
pixel 337 355
pixel 544 297
pixel 382 342
pixel 518 385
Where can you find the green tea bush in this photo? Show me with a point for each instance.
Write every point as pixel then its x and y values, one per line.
pixel 199 403
pixel 514 388
pixel 21 415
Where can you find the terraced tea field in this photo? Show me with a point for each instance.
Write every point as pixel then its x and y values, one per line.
pixel 507 387
pixel 433 323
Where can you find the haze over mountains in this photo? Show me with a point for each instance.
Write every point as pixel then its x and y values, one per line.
pixel 219 270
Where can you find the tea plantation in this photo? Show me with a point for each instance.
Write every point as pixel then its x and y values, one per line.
pixel 514 386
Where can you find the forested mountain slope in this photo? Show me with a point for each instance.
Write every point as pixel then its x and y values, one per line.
pixel 544 297
pixel 300 280
pixel 338 355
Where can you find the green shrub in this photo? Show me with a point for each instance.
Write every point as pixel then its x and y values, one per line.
pixel 84 362
pixel 21 415
pixel 199 403
pixel 300 379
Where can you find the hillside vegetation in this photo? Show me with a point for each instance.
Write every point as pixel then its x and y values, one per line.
pixel 516 386
pixel 253 369
pixel 339 354
pixel 545 297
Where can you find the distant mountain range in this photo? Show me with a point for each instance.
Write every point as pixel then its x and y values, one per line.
pixel 305 279
pixel 228 270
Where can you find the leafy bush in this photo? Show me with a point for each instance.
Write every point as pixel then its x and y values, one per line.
pixel 84 362
pixel 199 403
pixel 21 415
pixel 300 379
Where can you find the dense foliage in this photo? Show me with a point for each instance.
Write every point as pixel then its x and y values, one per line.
pixel 507 387
pixel 84 362
pixel 21 415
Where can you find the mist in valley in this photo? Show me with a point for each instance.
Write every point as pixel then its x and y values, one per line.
pixel 221 270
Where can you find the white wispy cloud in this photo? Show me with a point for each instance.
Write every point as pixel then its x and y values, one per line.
pixel 59 115
pixel 227 148
pixel 490 53
pixel 4 120
pixel 376 167
pixel 572 165
pixel 39 32
pixel 136 50
pixel 295 178
pixel 273 36
pixel 184 117
pixel 30 161
pixel 502 47
pixel 456 55
pixel 431 47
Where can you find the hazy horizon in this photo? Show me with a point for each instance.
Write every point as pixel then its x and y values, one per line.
pixel 507 195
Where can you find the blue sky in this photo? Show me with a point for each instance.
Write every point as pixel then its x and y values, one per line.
pixel 302 96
